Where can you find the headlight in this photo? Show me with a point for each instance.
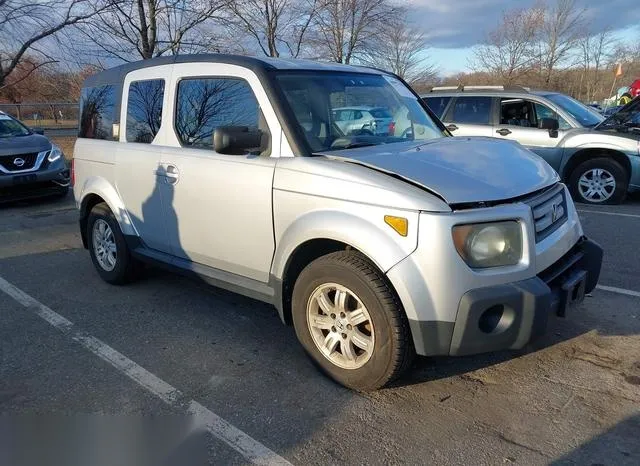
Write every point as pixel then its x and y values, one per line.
pixel 485 245
pixel 55 153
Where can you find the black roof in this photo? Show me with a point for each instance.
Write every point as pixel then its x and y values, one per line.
pixel 116 75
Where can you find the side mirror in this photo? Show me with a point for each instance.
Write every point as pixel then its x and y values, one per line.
pixel 551 124
pixel 237 140
pixel 38 130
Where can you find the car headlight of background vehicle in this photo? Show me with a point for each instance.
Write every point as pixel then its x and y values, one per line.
pixel 55 153
pixel 484 245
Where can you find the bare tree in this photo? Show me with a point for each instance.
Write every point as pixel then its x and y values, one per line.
pixel 401 49
pixel 274 24
pixel 134 29
pixel 560 31
pixel 510 50
pixel 595 52
pixel 26 24
pixel 346 27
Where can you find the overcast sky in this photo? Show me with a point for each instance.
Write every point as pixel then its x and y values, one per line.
pixel 453 27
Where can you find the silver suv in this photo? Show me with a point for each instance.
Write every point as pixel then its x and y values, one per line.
pixel 598 159
pixel 375 247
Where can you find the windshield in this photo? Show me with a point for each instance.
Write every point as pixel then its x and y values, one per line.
pixel 342 110
pixel 10 128
pixel 581 113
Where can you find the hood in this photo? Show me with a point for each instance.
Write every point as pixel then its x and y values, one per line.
pixel 24 144
pixel 459 170
pixel 630 113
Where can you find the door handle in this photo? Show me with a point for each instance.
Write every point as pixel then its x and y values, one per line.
pixel 503 132
pixel 172 174
pixel 451 127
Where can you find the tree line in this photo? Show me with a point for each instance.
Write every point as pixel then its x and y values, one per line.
pixel 48 47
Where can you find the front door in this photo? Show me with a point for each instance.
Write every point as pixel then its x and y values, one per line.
pixel 137 161
pixel 520 121
pixel 218 208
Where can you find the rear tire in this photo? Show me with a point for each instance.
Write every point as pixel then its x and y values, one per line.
pixel 368 316
pixel 108 248
pixel 599 181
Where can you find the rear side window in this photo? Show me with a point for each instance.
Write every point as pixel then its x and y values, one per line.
pixel 206 104
pixel 97 106
pixel 144 110
pixel 472 110
pixel 437 104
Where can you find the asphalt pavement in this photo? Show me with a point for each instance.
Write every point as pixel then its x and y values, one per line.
pixel 171 371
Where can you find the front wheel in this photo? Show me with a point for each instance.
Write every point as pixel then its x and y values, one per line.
pixel 599 181
pixel 350 321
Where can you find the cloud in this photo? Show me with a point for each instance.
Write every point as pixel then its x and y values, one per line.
pixel 465 23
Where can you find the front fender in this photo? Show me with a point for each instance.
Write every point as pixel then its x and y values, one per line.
pixel 364 231
pixel 98 186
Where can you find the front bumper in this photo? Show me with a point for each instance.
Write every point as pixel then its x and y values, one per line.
pixel 509 316
pixel 44 182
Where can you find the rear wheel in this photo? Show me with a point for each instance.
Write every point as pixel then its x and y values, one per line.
pixel 350 322
pixel 599 181
pixel 108 249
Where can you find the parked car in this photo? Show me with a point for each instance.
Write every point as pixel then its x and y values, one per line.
pixel 375 247
pixel 30 165
pixel 599 165
pixel 364 120
pixel 608 111
pixel 630 93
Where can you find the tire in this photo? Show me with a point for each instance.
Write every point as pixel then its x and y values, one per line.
pixel 125 268
pixel 392 349
pixel 625 99
pixel 610 170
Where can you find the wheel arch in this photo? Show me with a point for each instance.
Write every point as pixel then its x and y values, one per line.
pixel 583 155
pixel 309 238
pixel 95 191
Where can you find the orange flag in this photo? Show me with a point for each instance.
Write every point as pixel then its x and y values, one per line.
pixel 618 71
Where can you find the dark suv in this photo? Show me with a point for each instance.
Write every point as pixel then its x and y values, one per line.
pixel 30 165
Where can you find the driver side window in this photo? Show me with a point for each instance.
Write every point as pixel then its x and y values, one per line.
pixel 542 111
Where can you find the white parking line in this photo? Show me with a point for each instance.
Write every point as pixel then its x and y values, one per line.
pixel 617 214
pixel 249 448
pixel 613 289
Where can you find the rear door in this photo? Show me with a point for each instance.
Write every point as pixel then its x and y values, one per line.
pixel 520 120
pixel 470 116
pixel 138 156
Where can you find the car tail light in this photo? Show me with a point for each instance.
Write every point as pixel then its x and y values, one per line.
pixel 73 172
pixel 392 128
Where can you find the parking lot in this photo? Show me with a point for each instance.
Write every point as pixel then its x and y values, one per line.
pixel 166 347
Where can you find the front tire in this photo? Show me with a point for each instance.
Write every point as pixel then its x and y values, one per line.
pixel 108 248
pixel 350 322
pixel 599 181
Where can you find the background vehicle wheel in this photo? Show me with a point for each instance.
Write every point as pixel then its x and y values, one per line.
pixel 350 321
pixel 625 99
pixel 108 248
pixel 599 181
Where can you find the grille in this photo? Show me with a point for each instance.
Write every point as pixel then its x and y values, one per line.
pixel 549 211
pixel 8 162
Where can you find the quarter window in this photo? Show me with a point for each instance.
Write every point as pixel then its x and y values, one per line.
pixel 144 110
pixel 472 110
pixel 206 104
pixel 97 106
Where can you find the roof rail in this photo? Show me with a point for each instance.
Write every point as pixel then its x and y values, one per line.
pixel 462 88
